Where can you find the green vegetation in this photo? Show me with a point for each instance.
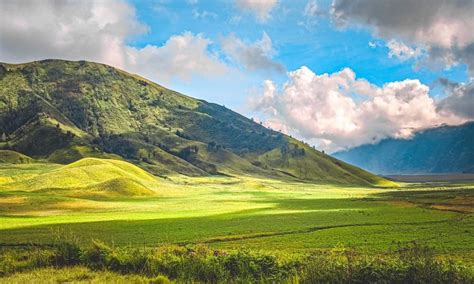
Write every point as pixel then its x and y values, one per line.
pixel 99 261
pixel 115 201
pixel 89 175
pixel 75 153
pixel 226 228
pixel 12 157
pixel 64 111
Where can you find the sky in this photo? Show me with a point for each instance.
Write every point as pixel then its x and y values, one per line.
pixel 335 73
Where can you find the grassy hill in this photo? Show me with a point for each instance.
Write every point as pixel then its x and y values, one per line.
pixel 88 177
pixel 12 157
pixel 64 111
pixel 446 149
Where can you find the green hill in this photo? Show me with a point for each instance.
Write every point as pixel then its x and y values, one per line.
pixel 91 177
pixel 64 111
pixel 12 157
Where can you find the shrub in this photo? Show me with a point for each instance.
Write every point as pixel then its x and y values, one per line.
pixel 96 256
pixel 66 253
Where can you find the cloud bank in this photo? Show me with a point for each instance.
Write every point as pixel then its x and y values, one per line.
pixel 338 111
pixel 443 28
pixel 460 99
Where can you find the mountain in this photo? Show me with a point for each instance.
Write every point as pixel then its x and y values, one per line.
pixel 64 111
pixel 446 149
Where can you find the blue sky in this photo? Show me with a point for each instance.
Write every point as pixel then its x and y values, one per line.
pixel 298 41
pixel 335 73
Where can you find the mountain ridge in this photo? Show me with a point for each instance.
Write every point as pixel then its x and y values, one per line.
pixel 66 110
pixel 440 150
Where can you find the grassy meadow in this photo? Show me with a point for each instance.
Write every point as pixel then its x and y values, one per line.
pixel 120 205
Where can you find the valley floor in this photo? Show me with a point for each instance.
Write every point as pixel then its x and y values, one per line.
pixel 235 213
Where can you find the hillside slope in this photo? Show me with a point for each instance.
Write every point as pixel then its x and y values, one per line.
pixel 65 111
pixel 12 157
pixel 447 149
pixel 90 177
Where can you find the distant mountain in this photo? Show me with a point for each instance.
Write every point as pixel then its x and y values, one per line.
pixel 64 111
pixel 446 149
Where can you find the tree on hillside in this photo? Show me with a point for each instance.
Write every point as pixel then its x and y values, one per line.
pixel 143 155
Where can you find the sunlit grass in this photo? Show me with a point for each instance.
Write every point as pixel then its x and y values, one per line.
pixel 227 212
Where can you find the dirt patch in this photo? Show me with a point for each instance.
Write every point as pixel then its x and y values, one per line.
pixel 454 208
pixel 402 204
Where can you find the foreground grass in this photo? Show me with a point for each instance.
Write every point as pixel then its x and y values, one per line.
pixel 66 262
pixel 76 274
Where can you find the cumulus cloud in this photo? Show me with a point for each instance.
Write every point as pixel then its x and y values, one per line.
pixel 339 111
pixel 98 31
pixel 260 8
pixel 442 28
pixel 252 56
pixel 182 56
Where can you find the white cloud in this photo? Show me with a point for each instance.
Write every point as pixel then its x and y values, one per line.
pixel 260 8
pixel 373 44
pixel 402 51
pixel 339 111
pixel 442 28
pixel 252 56
pixel 182 56
pixel 94 30
pixel 97 31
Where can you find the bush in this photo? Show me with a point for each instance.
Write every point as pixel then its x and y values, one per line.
pixel 96 256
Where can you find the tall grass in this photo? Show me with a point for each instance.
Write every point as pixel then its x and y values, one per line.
pixel 407 264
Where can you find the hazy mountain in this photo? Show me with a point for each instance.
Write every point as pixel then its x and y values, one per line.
pixel 63 111
pixel 446 149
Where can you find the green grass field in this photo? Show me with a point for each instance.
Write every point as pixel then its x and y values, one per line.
pixel 120 204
